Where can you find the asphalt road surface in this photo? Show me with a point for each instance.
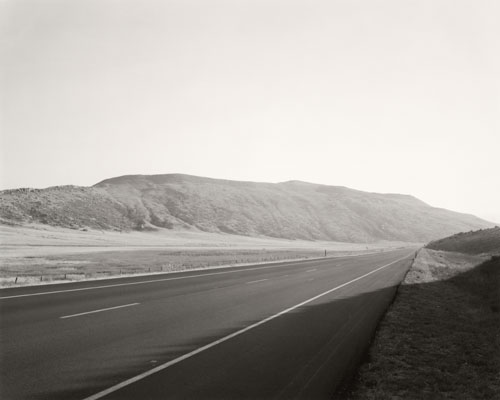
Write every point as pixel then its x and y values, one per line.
pixel 284 331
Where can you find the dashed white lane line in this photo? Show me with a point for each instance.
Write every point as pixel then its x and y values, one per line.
pixel 96 311
pixel 228 337
pixel 312 270
pixel 259 280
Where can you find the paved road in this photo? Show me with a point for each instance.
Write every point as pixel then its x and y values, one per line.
pixel 289 330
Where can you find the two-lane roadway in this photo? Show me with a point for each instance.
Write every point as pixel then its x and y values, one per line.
pixel 288 330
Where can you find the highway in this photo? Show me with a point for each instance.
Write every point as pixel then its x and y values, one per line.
pixel 281 331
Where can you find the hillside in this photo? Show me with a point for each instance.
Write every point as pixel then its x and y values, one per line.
pixel 474 242
pixel 65 206
pixel 291 210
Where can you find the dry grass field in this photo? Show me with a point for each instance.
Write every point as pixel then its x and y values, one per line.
pixel 41 254
pixel 104 264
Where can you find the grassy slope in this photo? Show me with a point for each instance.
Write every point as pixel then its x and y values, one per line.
pixel 474 242
pixel 294 210
pixel 291 210
pixel 440 338
pixel 64 206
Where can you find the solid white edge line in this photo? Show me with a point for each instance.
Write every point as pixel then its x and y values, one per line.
pixel 279 265
pixel 232 335
pixel 100 310
pixel 258 280
pixel 312 270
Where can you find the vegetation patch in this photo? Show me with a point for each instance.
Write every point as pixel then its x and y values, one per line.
pixel 473 242
pixel 106 264
pixel 441 337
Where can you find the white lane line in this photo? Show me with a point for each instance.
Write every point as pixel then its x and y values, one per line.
pixel 260 280
pixel 96 311
pixel 311 270
pixel 226 338
pixel 279 265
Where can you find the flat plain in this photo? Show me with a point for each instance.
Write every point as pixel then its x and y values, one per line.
pixel 41 254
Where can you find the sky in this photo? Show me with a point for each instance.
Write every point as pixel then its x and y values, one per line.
pixel 391 96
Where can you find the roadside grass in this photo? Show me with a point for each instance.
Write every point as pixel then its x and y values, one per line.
pixel 33 270
pixel 105 264
pixel 440 339
pixel 473 242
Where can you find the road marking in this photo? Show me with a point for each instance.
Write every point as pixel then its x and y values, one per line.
pixel 230 336
pixel 154 280
pixel 311 270
pixel 260 280
pixel 279 265
pixel 141 282
pixel 96 311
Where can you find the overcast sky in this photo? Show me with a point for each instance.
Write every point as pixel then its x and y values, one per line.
pixel 384 96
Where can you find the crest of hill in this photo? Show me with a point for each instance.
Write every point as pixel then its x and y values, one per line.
pixel 290 210
pixel 483 241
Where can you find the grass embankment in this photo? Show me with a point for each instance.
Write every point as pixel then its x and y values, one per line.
pixel 473 242
pixel 441 337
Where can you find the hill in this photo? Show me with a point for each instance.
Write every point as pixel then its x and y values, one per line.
pixel 291 210
pixel 473 242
